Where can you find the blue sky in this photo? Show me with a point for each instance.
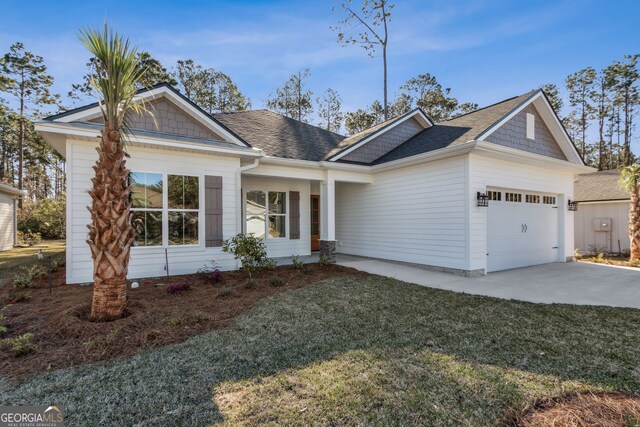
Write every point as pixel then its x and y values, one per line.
pixel 484 50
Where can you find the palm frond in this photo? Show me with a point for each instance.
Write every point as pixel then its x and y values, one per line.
pixel 118 71
pixel 630 177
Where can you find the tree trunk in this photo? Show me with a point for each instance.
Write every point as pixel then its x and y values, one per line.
pixel 384 61
pixel 634 223
pixel 111 233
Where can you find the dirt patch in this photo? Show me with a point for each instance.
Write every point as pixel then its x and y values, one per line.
pixel 585 410
pixel 64 336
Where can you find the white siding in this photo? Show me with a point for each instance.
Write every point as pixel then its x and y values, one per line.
pixel 615 240
pixel 489 172
pixel 414 214
pixel 7 224
pixel 148 262
pixel 285 247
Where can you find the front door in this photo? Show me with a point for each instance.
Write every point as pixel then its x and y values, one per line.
pixel 315 222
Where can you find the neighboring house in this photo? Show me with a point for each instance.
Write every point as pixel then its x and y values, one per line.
pixel 405 190
pixel 602 220
pixel 9 216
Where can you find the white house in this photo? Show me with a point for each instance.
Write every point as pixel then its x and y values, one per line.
pixel 602 221
pixel 406 190
pixel 8 216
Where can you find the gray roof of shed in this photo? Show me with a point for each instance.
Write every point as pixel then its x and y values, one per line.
pixel 280 136
pixel 599 186
pixel 456 131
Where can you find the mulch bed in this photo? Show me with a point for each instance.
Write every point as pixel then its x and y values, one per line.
pixel 585 410
pixel 64 336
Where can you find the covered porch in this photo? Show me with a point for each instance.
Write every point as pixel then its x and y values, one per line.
pixel 293 207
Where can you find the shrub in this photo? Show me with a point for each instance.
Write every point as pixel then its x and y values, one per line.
pixel 58 261
pixel 249 249
pixel 45 217
pixel 22 281
pixel 226 292
pixel 251 284
pixel 175 321
pixel 21 345
pixel 28 238
pixel 178 288
pixel 210 273
pixel 577 254
pixel 35 271
pixel 276 281
pixel 297 264
pixel 16 297
pixel 634 263
pixel 270 264
pixel 3 328
pixel 324 261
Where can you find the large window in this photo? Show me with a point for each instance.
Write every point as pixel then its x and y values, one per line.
pixel 183 196
pixel 150 215
pixel 266 213
pixel 146 207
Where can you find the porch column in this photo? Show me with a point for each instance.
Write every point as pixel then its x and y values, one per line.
pixel 328 223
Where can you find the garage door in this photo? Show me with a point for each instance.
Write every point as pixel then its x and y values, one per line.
pixel 522 229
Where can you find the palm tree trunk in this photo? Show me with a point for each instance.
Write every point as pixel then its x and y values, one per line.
pixel 634 223
pixel 110 233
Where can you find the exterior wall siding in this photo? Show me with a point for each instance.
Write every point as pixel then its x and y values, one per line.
pixel 149 261
pixel 285 247
pixel 170 119
pixel 513 134
pixel 7 224
pixel 415 214
pixel 384 143
pixel 615 240
pixel 489 172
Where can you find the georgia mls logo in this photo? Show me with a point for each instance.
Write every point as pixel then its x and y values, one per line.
pixel 31 416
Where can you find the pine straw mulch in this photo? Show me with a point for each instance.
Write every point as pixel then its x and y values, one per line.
pixel 585 410
pixel 64 337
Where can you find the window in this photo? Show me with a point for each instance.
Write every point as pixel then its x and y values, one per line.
pixel 150 216
pixel 531 123
pixel 266 213
pixel 183 198
pixel 494 195
pixel 513 197
pixel 549 200
pixel 532 198
pixel 146 208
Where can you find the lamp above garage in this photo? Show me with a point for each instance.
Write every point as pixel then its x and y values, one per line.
pixel 483 199
pixel 573 205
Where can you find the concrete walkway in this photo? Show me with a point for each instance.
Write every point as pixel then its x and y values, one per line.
pixel 569 283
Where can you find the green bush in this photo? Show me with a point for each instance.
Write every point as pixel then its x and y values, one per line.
pixel 297 264
pixel 28 238
pixel 21 345
pixel 249 249
pixel 46 217
pixel 226 292
pixel 270 264
pixel 251 284
pixel 324 261
pixel 276 281
pixel 25 278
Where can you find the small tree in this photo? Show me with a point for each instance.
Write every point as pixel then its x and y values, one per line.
pixel 329 111
pixel 249 249
pixel 292 99
pixel 630 180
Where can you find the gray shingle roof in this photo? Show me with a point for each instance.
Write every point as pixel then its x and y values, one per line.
pixel 456 131
pixel 598 186
pixel 357 137
pixel 280 136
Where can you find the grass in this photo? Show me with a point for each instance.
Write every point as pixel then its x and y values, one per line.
pixel 11 260
pixel 358 351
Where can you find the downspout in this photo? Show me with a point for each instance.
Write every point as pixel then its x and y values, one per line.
pixel 239 208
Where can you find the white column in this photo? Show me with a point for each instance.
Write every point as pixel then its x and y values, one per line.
pixel 328 209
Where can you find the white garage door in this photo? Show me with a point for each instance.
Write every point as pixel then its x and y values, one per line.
pixel 522 229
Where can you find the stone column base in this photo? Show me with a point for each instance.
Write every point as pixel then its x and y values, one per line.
pixel 328 249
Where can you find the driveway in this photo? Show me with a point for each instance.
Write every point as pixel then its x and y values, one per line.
pixel 568 283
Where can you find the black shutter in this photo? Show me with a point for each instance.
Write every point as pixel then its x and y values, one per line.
pixel 213 210
pixel 294 215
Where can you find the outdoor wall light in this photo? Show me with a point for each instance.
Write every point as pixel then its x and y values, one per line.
pixel 483 199
pixel 573 205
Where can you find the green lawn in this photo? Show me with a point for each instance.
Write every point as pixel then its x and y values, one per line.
pixel 354 351
pixel 12 260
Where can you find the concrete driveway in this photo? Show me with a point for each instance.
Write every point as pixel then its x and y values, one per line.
pixel 569 283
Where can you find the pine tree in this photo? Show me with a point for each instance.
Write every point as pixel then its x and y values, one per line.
pixel 581 93
pixel 329 111
pixel 292 99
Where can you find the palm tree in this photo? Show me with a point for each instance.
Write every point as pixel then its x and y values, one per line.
pixel 110 233
pixel 630 180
